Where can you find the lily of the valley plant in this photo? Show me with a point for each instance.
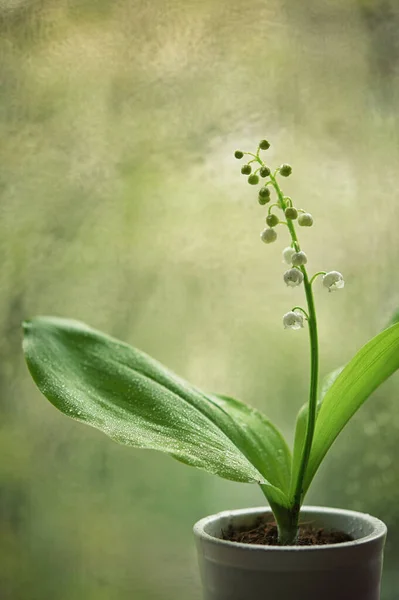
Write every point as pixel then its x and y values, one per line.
pixel 135 400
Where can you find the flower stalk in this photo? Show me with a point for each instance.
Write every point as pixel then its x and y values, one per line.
pixel 287 522
pixel 291 535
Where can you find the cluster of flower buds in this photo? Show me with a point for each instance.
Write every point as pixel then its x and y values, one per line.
pixel 292 255
pixel 291 213
pixel 269 235
pixel 261 172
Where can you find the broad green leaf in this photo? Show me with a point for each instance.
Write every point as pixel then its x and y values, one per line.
pixel 370 367
pixel 135 400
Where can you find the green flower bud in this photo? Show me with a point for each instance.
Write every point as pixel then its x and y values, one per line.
pixel 291 213
pixel 264 192
pixel 305 220
pixel 264 172
pixel 264 145
pixel 285 170
pixel 246 169
pixel 253 179
pixel 238 154
pixel 272 220
pixel 268 236
pixel 299 259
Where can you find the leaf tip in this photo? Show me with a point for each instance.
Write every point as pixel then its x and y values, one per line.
pixel 26 325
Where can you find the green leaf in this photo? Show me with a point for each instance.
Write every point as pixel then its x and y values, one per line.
pixel 135 400
pixel 394 319
pixel 261 441
pixel 299 440
pixel 302 418
pixel 370 367
pixel 328 381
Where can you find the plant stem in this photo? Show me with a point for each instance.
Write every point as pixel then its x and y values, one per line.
pixel 316 275
pixel 314 374
pixel 285 520
pixel 302 311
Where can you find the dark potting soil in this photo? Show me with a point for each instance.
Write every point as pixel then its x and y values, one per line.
pixel 265 533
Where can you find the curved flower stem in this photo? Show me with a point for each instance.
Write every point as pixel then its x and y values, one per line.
pixel 302 310
pixel 316 275
pixel 272 206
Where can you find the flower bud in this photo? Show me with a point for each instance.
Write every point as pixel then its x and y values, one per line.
pixel 285 170
pixel 264 192
pixel 264 195
pixel 246 169
pixel 305 220
pixel 272 220
pixel 293 320
pixel 291 213
pixel 253 179
pixel 264 171
pixel 238 154
pixel 268 235
pixel 299 259
pixel 264 145
pixel 287 255
pixel 333 281
pixel 293 277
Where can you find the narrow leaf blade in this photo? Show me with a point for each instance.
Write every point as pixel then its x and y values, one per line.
pixel 329 380
pixel 301 426
pixel 370 367
pixel 299 441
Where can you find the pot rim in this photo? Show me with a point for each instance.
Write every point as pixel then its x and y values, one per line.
pixel 379 529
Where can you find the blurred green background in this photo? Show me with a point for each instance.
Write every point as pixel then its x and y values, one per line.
pixel 122 205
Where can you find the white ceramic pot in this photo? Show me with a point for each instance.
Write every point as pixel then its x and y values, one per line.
pixel 346 571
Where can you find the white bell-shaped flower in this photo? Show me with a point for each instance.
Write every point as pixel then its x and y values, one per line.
pixel 293 320
pixel 268 235
pixel 299 258
pixel 293 277
pixel 333 281
pixel 287 255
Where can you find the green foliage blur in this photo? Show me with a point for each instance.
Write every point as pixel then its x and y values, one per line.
pixel 122 205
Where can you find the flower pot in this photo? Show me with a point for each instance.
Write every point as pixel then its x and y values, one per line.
pixel 346 571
